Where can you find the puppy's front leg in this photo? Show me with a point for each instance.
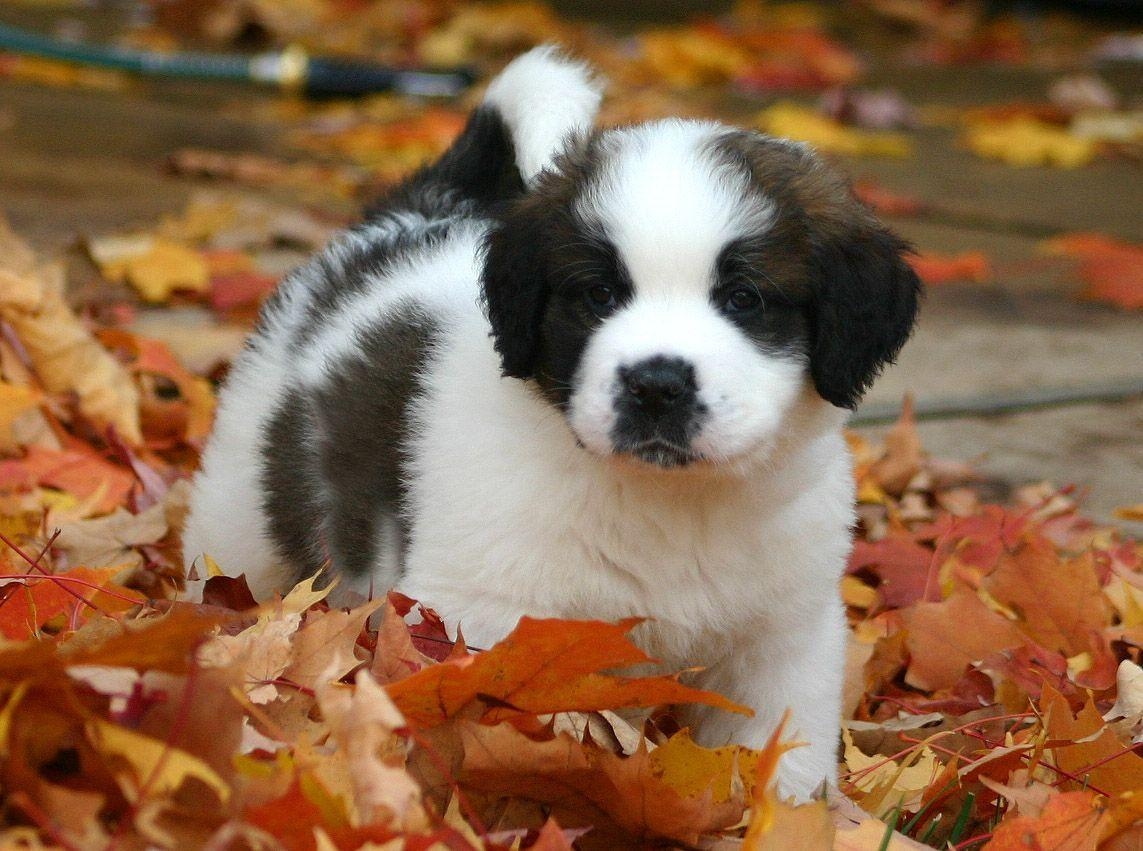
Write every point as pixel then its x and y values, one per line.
pixel 798 669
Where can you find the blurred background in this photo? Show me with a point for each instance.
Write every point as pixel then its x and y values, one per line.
pixel 200 148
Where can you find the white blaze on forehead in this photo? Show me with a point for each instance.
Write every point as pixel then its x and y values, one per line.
pixel 669 206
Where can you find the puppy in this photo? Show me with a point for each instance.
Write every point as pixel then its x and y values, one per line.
pixel 580 374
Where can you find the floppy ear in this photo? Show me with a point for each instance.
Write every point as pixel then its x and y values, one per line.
pixel 866 306
pixel 515 287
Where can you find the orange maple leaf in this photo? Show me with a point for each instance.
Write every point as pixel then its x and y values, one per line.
pixel 545 666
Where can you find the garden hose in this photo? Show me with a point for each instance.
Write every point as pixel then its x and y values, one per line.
pixel 291 69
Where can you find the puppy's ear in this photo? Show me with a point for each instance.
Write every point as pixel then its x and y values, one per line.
pixel 864 312
pixel 515 287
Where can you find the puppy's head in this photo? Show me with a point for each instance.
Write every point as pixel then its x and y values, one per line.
pixel 675 287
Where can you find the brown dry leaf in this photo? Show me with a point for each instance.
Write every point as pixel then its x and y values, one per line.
pixel 1069 822
pixel 1058 601
pixel 902 456
pixel 112 540
pixel 64 354
pixel 323 646
pixel 362 721
pixel 395 657
pixel 265 649
pixel 1085 747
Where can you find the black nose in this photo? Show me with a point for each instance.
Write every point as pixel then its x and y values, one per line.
pixel 659 383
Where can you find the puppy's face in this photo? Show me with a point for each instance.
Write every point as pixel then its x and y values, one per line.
pixel 674 288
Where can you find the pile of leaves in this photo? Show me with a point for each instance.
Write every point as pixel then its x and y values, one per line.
pixel 994 696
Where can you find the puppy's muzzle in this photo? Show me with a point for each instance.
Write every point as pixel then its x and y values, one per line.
pixel 657 411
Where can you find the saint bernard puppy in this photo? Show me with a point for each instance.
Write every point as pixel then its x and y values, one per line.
pixel 580 373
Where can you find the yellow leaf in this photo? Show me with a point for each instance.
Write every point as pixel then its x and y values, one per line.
pixel 157 768
pixel 692 770
pixel 1025 141
pixel 15 402
pixel 1130 512
pixel 857 594
pixel 155 266
pixel 803 124
pixel 888 783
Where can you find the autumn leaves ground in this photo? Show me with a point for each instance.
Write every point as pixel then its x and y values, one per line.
pixel 994 697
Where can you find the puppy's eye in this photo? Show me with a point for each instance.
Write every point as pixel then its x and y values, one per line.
pixel 741 300
pixel 602 300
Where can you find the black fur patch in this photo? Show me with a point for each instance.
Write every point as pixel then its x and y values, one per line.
pixel 478 170
pixel 332 458
pixel 539 263
pixel 362 415
pixel 290 488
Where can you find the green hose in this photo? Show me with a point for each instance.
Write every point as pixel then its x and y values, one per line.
pixel 290 68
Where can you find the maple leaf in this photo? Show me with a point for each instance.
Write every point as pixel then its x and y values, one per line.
pixel 155 266
pixel 945 637
pixel 545 666
pixel 1069 821
pixel 70 596
pixel 1086 749
pixel 584 785
pixel 362 723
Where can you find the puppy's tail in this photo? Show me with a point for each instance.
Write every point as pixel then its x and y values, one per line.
pixel 530 109
pixel 543 97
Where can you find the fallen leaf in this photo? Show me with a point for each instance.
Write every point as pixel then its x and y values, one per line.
pixel 934 269
pixel 155 266
pixel 1111 268
pixel 545 666
pixel 362 722
pixel 802 124
pixel 1024 141
pixel 946 637
pixel 584 785
pixel 64 354
pixel 1069 822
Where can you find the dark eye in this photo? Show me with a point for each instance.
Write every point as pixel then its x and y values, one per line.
pixel 601 299
pixel 741 299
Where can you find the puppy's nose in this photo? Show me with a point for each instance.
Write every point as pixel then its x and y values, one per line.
pixel 659 383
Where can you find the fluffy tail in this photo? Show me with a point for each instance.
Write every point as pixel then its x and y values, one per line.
pixel 543 97
pixel 529 111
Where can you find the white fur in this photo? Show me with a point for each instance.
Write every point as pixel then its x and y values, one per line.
pixel 544 98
